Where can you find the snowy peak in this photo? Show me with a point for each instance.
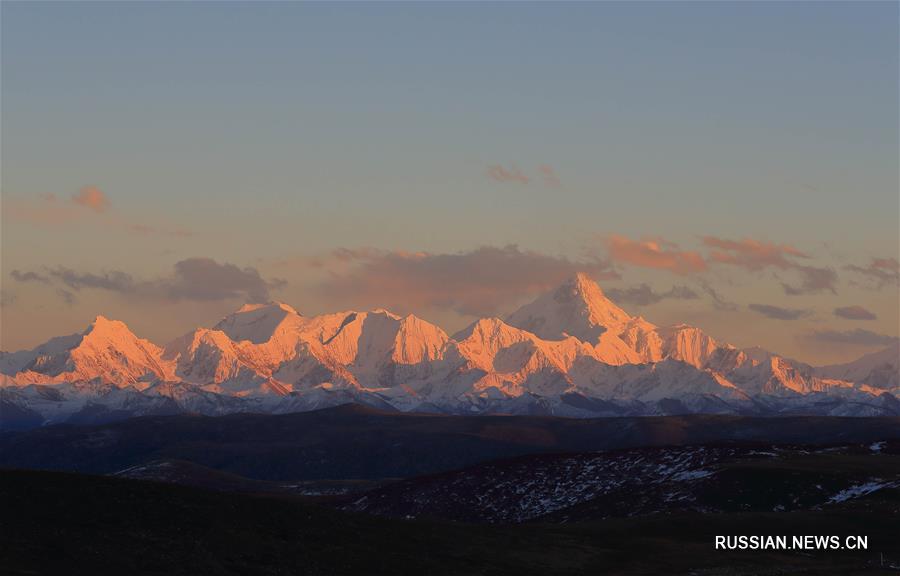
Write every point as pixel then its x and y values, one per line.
pixel 569 348
pixel 879 369
pixel 363 338
pixel 687 344
pixel 370 339
pixel 107 351
pixel 268 305
pixel 579 308
pixel 102 321
pixel 480 342
pixel 491 344
pixel 576 308
pixel 204 356
pixel 418 341
pixel 492 330
pixel 103 329
pixel 110 351
pixel 258 323
pixel 583 289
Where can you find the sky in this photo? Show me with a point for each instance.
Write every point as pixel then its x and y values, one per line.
pixel 728 165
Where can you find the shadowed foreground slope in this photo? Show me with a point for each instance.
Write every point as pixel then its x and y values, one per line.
pixel 356 442
pixel 57 523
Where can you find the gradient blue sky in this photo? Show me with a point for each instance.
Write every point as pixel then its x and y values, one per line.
pixel 277 132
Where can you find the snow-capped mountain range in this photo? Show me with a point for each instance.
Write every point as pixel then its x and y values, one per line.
pixel 571 352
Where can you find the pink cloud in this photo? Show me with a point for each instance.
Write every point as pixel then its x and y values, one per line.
pixel 91 197
pixel 755 255
pixel 500 174
pixel 752 254
pixel 549 174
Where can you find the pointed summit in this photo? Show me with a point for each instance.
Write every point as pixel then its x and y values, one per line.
pixel 107 350
pixel 258 323
pixel 577 308
pixel 417 341
pixel 268 305
pixel 104 334
pixel 103 326
pixel 583 281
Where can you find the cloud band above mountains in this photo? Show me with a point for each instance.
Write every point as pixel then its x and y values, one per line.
pixel 857 337
pixel 476 282
pixel 644 295
pixel 854 313
pixel 779 313
pixel 747 254
pixel 192 279
pixel 654 253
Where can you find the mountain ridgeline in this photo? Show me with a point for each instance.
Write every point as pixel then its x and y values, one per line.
pixel 571 352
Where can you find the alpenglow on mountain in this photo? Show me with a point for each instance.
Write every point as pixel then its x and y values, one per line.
pixel 571 352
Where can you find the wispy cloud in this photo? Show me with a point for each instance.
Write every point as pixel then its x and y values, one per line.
pixel 45 210
pixel 752 254
pixel 880 271
pixel 7 298
pixel 644 295
pixel 484 281
pixel 192 279
pixel 812 280
pixel 66 296
pixel 29 276
pixel 719 301
pixel 549 175
pixel 854 313
pixel 89 204
pixel 115 280
pixel 755 255
pixel 654 253
pixel 546 175
pixel 779 313
pixel 857 337
pixel 498 173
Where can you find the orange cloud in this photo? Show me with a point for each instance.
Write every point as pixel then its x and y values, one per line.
pixel 654 253
pixel 755 255
pixel 91 197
